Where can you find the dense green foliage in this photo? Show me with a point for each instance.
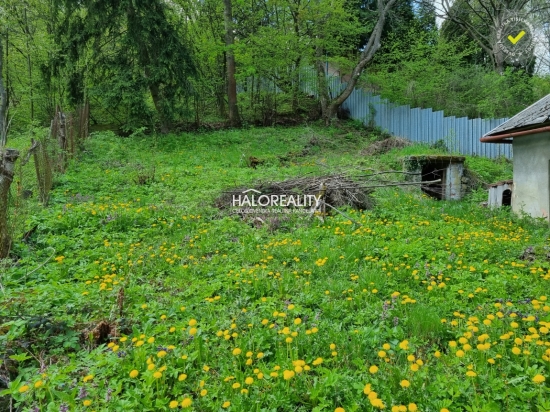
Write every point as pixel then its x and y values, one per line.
pixel 423 69
pixel 162 64
pixel 426 304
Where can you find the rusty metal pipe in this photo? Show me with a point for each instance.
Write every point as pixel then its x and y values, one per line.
pixel 497 138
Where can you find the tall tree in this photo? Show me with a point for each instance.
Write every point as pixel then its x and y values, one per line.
pixel 8 157
pixel 3 100
pixel 234 119
pixel 329 106
pixel 132 45
pixel 481 21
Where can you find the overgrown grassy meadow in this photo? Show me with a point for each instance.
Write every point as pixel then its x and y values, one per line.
pixel 418 305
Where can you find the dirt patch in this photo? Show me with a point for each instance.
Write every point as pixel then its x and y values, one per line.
pixel 100 333
pixel 384 146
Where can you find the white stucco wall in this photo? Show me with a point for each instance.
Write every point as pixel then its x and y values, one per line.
pixel 495 194
pixel 531 192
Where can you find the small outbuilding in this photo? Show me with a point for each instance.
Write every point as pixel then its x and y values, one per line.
pixel 529 134
pixel 500 194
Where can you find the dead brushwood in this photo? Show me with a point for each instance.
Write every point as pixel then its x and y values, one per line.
pixel 340 191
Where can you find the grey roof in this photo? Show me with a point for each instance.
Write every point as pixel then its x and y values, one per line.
pixel 534 115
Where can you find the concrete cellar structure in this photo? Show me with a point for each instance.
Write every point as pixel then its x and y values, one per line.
pixel 529 134
pixel 448 169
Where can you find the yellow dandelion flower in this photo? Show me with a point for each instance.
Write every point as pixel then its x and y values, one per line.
pixel 157 375
pixel 87 402
pixel 134 373
pixel 538 379
pixel 186 403
pixel 471 374
pixel 182 377
pixel 226 404
pixel 287 375
pixel 23 388
pixel 373 369
pixel 367 389
pixel 405 383
pixel 249 381
pixel 173 404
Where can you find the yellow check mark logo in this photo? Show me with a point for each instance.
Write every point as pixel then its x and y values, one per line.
pixel 514 40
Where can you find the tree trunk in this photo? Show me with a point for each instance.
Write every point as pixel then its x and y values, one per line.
pixel 329 110
pixel 234 119
pixel 498 59
pixel 157 101
pixel 8 157
pixel 3 104
pixel 296 84
pixel 29 63
pixel 324 96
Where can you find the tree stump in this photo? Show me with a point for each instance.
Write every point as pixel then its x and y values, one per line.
pixel 8 157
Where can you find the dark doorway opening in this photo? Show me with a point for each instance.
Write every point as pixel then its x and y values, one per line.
pixel 507 198
pixel 433 171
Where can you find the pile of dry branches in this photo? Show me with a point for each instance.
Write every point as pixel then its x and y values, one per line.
pixel 351 189
pixel 337 190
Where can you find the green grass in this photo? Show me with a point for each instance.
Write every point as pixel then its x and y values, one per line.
pixel 159 260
